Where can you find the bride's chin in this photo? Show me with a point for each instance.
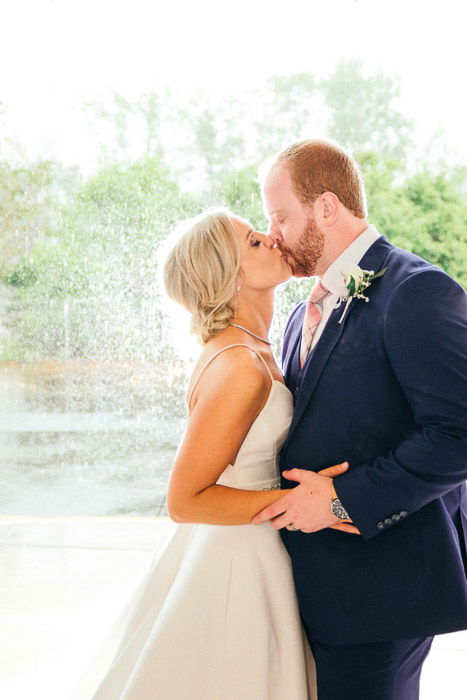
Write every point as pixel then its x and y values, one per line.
pixel 286 277
pixel 288 266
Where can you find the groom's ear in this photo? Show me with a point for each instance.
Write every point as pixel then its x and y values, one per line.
pixel 327 206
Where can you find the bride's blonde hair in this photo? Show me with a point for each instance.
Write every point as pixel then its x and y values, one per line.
pixel 201 269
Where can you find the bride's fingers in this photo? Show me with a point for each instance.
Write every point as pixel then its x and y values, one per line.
pixel 336 470
pixel 346 527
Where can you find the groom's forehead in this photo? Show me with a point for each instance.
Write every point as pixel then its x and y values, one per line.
pixel 278 194
pixel 277 176
pixel 277 187
pixel 276 212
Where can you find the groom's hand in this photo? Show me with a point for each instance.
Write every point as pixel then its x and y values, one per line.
pixel 308 506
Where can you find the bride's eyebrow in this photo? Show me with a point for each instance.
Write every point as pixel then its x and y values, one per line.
pixel 248 234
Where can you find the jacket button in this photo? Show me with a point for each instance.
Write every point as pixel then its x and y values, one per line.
pixel 388 522
pixel 396 517
pixel 380 525
pixel 297 389
pixel 403 514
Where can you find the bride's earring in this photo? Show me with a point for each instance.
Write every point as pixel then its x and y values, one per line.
pixel 238 289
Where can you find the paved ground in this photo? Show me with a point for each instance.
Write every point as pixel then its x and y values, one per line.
pixel 62 582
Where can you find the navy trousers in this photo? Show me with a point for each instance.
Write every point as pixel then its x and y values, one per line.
pixel 378 671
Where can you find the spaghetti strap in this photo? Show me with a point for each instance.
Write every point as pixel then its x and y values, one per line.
pixel 227 347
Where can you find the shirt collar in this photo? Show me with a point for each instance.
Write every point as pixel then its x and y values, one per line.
pixel 351 256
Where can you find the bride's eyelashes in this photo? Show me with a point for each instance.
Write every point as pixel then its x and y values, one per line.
pixel 255 243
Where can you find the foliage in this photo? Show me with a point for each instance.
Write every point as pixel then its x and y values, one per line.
pixel 241 193
pixel 426 213
pixel 29 201
pixel 89 288
pixel 362 112
pixel 204 138
pixel 79 258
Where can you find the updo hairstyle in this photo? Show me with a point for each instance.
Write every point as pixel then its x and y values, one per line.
pixel 201 269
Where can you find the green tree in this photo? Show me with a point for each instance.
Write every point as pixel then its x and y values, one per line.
pixel 426 213
pixel 127 130
pixel 29 205
pixel 205 138
pixel 287 109
pixel 362 115
pixel 92 287
pixel 241 193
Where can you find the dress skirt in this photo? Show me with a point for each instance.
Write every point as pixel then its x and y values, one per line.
pixel 216 618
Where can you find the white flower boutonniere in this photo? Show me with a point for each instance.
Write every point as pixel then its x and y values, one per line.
pixel 356 281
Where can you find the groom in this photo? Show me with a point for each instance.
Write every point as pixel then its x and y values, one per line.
pixel 376 363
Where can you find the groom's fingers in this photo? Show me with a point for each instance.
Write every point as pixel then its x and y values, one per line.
pixel 336 470
pixel 272 511
pixel 346 527
pixel 281 521
pixel 294 474
pixel 297 474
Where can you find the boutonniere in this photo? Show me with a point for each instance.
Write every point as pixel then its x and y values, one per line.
pixel 356 281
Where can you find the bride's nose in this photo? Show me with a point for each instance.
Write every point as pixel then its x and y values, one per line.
pixel 274 235
pixel 265 240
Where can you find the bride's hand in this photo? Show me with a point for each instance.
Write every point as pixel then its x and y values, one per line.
pixel 332 472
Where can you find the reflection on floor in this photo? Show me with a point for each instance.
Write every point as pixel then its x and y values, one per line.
pixel 64 580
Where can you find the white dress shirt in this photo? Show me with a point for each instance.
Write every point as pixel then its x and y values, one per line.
pixel 333 278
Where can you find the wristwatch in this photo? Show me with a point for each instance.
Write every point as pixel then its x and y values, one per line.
pixel 337 509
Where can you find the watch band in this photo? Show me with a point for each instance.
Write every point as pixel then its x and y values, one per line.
pixel 338 510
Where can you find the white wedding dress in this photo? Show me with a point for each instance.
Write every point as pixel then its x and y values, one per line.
pixel 216 617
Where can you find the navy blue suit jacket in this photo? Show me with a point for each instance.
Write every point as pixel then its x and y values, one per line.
pixel 385 390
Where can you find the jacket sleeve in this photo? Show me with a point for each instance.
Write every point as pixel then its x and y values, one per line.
pixel 425 334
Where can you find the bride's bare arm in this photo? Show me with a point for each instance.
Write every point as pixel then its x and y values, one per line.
pixel 231 393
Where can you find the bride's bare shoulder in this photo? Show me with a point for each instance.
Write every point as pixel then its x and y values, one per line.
pixel 233 371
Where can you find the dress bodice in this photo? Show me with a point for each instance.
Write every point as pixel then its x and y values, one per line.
pixel 256 464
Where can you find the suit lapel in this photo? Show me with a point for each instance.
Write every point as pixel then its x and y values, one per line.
pixel 333 330
pixel 315 363
pixel 295 338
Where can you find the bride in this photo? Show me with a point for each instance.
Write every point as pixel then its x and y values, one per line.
pixel 216 617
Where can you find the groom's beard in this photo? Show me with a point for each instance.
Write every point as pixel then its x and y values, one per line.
pixel 304 255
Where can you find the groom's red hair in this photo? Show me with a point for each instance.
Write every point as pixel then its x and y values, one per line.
pixel 317 166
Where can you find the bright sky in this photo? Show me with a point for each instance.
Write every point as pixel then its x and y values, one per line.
pixel 55 54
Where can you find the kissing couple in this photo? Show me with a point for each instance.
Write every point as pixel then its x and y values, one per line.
pixel 320 508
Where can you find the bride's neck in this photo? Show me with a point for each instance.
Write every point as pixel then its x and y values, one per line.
pixel 256 316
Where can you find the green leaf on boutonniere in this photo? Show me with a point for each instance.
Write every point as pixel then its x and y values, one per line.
pixel 351 287
pixel 378 274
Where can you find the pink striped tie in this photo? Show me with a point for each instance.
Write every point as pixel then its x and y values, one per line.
pixel 312 318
